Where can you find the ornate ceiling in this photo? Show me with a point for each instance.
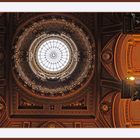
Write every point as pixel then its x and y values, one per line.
pixel 47 84
pixel 65 70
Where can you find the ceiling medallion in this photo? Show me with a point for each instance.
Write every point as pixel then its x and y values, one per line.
pixel 53 57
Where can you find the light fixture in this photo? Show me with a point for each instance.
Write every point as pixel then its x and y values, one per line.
pixel 131 88
pixel 131 78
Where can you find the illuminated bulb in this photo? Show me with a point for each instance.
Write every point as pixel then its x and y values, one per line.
pixel 131 78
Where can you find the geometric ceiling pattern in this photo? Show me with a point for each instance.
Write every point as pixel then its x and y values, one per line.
pixel 65 70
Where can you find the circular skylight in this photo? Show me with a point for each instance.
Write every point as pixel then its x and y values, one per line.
pixel 53 55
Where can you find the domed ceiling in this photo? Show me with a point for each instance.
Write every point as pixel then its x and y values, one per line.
pixel 54 57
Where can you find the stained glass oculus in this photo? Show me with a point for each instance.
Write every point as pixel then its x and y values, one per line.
pixel 53 55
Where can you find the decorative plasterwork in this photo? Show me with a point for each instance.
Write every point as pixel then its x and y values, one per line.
pixel 52 124
pixel 107 57
pixel 126 55
pixel 75 77
pixel 125 112
pixel 4 119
